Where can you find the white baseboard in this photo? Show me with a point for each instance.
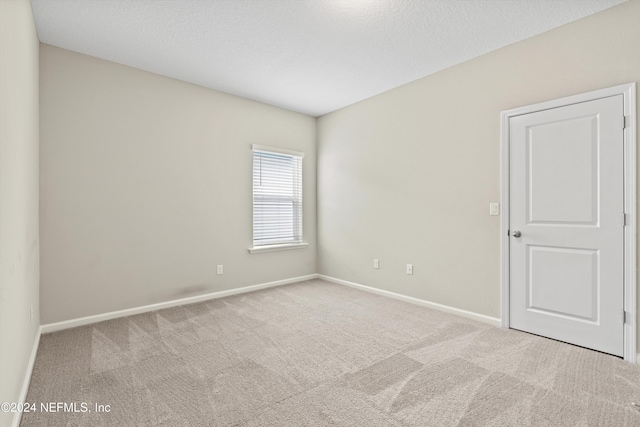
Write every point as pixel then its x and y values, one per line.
pixel 67 324
pixel 494 321
pixel 17 417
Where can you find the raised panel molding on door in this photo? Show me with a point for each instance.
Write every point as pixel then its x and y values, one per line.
pixel 568 257
pixel 576 299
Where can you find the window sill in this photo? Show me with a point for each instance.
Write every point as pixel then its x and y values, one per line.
pixel 271 248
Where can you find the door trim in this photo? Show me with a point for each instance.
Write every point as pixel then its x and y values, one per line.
pixel 629 95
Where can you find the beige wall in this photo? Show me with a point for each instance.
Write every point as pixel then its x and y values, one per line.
pixel 146 187
pixel 407 176
pixel 19 241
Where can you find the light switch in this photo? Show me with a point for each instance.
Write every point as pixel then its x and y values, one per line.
pixel 494 209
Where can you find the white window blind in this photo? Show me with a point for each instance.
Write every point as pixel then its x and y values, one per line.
pixel 277 196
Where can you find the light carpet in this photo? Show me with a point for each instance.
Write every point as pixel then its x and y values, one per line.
pixel 320 354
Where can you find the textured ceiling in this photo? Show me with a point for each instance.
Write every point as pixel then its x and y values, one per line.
pixel 311 56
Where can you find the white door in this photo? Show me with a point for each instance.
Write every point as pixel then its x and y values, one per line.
pixel 567 224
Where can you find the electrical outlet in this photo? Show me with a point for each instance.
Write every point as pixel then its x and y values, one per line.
pixel 220 269
pixel 409 268
pixel 376 263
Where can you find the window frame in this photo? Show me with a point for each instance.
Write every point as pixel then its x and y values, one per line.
pixel 298 203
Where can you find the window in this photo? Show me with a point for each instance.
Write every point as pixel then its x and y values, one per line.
pixel 277 199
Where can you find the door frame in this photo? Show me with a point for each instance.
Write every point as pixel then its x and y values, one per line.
pixel 629 98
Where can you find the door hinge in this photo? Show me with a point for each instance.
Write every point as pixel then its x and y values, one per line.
pixel 624 122
pixel 625 316
pixel 624 219
pixel 508 232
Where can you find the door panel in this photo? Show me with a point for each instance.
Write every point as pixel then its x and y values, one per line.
pixel 574 198
pixel 550 291
pixel 566 200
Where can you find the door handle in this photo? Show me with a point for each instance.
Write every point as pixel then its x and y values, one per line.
pixel 517 234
